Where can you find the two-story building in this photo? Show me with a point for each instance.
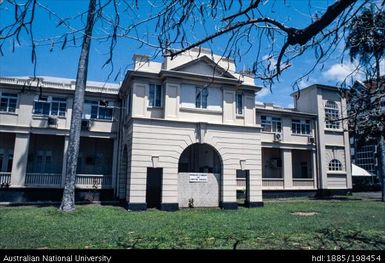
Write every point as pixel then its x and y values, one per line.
pixel 35 117
pixel 179 133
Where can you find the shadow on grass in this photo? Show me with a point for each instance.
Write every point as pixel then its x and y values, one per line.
pixel 334 238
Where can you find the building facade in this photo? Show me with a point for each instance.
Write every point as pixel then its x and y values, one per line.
pixel 185 132
pixel 365 148
pixel 35 117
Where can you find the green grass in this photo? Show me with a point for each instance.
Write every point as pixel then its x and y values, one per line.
pixel 339 225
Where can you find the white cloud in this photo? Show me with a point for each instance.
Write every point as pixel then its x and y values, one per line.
pixel 339 72
pixel 263 92
pixel 305 83
pixel 290 105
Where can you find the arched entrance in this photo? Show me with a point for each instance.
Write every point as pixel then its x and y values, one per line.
pixel 199 176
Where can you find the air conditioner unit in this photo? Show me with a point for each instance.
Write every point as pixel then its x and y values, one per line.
pixel 277 137
pixel 311 140
pixel 52 122
pixel 86 124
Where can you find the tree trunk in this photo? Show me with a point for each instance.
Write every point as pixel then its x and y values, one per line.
pixel 68 201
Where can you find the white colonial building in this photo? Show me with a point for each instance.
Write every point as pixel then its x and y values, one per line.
pixel 185 132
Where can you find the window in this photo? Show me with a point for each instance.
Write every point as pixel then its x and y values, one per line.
pixel 9 163
pixel 332 115
pixel 155 96
pixel 97 110
pixel 271 124
pixel 8 102
pixel 41 106
pixel 239 103
pixel 201 97
pixel 335 165
pixel 50 106
pixel 300 126
pixel 58 106
pixel 304 170
pixel 43 162
pixel 128 102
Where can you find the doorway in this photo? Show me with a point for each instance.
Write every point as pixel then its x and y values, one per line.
pixel 154 187
pixel 243 186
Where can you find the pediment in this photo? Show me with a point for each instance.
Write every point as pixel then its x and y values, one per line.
pixel 204 66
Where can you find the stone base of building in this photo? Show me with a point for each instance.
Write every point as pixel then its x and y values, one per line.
pixel 269 194
pixel 228 205
pixel 329 193
pixel 136 206
pixel 253 204
pixel 169 207
pixel 47 195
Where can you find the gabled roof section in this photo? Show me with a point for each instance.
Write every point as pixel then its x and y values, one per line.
pixel 204 66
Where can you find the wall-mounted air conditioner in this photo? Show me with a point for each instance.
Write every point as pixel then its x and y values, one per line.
pixel 52 122
pixel 277 137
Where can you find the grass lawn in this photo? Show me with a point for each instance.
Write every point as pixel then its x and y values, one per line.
pixel 348 224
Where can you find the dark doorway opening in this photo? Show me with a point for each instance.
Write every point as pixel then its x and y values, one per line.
pixel 154 187
pixel 243 187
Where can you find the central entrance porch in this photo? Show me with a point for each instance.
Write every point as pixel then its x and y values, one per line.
pixel 199 176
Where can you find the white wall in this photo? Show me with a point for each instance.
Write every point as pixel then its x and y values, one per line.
pixel 167 140
pixel 188 93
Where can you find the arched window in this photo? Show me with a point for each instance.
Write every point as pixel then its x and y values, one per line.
pixel 335 165
pixel 332 115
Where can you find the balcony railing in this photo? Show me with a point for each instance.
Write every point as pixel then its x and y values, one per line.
pixel 303 182
pixel 5 178
pixel 273 182
pixel 52 180
pixel 93 181
pixel 241 183
pixel 43 179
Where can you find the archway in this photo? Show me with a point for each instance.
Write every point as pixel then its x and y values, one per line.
pixel 199 176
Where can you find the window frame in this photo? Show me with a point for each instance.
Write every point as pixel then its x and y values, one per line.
pixel 203 93
pixel 335 165
pixel 8 97
pixel 48 101
pixel 275 124
pixel 95 110
pixel 157 94
pixel 303 126
pixel 237 95
pixel 61 102
pixel 332 116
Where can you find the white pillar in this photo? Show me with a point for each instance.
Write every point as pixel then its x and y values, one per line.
pixel 287 168
pixel 65 148
pixel 20 159
pixel 228 189
pixel 136 195
pixel 255 188
pixel 314 167
pixel 170 188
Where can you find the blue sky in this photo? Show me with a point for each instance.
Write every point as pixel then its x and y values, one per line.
pixel 63 62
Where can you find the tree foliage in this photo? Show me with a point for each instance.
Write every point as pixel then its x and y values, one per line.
pixel 246 25
pixel 366 40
